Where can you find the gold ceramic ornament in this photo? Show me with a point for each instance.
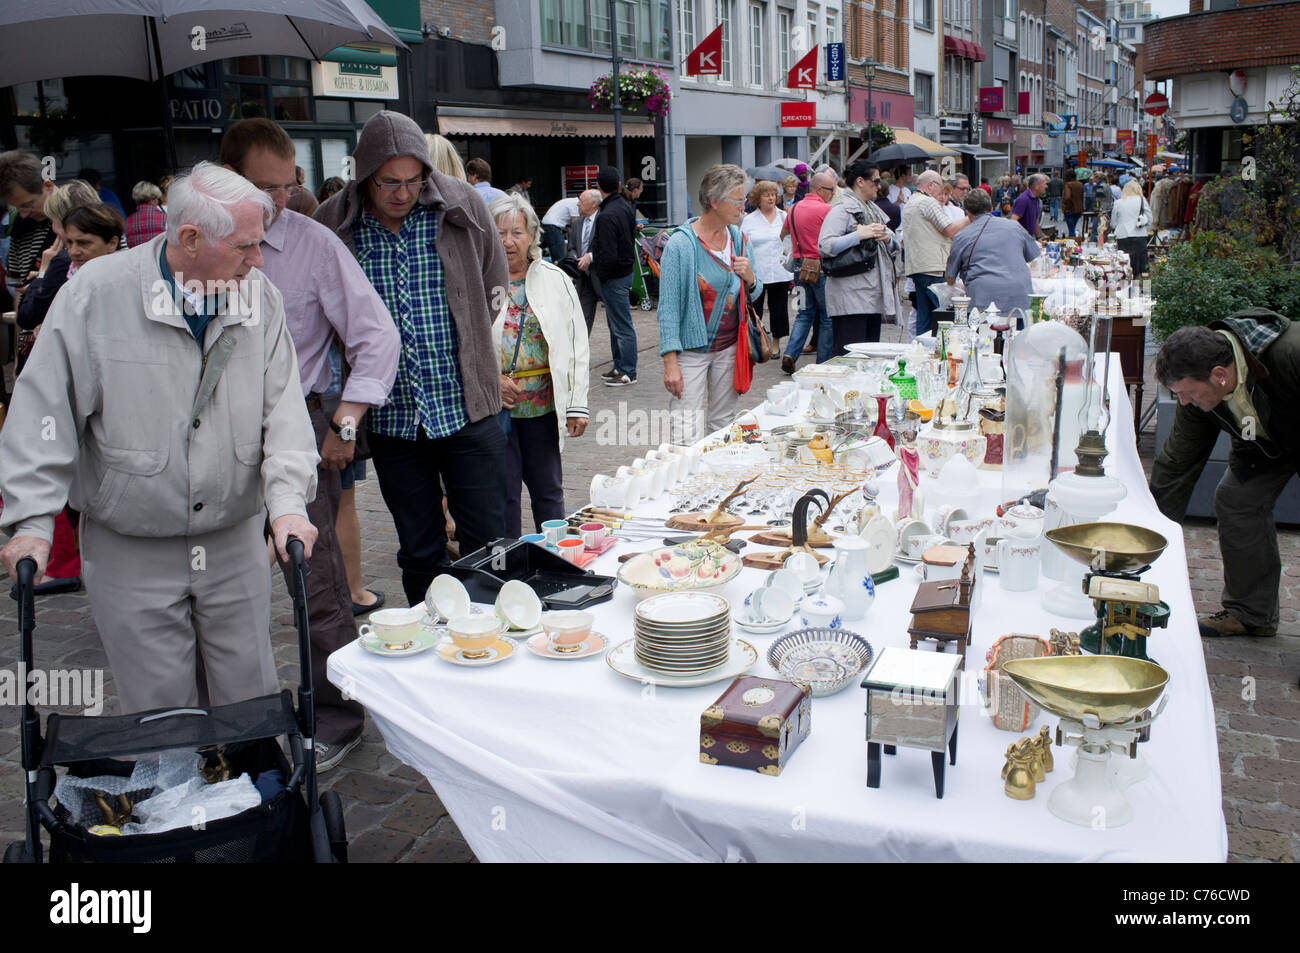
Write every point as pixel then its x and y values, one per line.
pixel 1020 776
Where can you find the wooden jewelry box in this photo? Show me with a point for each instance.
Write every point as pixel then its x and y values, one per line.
pixel 757 723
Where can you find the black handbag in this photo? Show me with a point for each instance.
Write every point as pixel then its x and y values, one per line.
pixel 854 260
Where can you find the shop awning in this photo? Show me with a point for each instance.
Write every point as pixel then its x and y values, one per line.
pixel 964 48
pixel 582 128
pixel 978 152
pixel 907 137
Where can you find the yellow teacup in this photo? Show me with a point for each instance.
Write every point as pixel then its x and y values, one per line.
pixel 473 634
pixel 395 628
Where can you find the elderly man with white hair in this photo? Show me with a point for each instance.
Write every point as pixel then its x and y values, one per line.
pixel 927 236
pixel 163 403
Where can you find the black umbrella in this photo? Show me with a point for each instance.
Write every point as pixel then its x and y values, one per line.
pixel 898 154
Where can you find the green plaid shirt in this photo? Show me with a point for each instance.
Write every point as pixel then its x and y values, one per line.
pixel 407 272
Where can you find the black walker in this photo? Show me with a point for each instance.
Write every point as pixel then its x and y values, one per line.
pixel 295 825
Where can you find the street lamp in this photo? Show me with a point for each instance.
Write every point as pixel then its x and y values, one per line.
pixel 618 97
pixel 869 68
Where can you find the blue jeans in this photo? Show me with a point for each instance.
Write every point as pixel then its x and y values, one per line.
pixel 615 292
pixel 1072 220
pixel 924 301
pixel 814 306
pixel 1054 207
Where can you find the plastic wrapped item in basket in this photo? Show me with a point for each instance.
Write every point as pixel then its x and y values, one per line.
pixel 1007 705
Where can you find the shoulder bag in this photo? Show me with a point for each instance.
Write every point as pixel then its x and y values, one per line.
pixel 807 270
pixel 854 260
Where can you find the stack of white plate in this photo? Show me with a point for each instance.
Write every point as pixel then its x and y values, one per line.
pixel 683 633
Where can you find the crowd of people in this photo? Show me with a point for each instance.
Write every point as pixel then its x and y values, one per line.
pixel 414 315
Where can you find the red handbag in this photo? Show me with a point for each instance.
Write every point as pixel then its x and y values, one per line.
pixel 743 376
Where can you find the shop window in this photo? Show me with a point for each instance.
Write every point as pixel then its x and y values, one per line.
pixel 288 67
pixel 335 154
pixel 333 110
pixel 244 100
pixel 363 111
pixel 924 94
pixel 291 103
pixel 243 66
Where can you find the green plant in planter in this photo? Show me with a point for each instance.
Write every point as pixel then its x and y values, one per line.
pixel 1214 274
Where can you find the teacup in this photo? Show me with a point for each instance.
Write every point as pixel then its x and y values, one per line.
pixel 395 628
pixel 805 566
pixel 919 543
pixel 570 547
pixel 769 604
pixel 517 605
pixel 966 531
pixel 567 629
pixel 789 581
pixel 904 530
pixel 946 514
pixel 473 634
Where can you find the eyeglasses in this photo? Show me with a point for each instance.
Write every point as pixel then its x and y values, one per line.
pixel 875 182
pixel 737 202
pixel 412 185
pixel 288 190
pixel 31 204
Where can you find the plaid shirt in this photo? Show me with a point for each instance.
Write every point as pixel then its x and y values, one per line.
pixel 144 223
pixel 407 272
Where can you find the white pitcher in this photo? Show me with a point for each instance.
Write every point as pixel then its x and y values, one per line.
pixel 849 580
pixel 1019 553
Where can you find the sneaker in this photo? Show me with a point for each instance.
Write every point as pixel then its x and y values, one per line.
pixel 1223 624
pixel 622 380
pixel 330 755
pixel 787 363
pixel 611 374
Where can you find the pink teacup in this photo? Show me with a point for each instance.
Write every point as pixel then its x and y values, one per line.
pixel 567 630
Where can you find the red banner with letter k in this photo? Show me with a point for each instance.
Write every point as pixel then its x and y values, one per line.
pixel 803 75
pixel 706 59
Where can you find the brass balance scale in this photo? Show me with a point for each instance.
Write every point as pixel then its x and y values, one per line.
pixel 1127 608
pixel 1106 706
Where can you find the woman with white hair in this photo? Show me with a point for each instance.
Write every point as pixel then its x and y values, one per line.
pixel 148 219
pixel 542 338
pixel 704 281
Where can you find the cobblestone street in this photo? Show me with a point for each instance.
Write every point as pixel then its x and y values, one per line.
pixel 393 814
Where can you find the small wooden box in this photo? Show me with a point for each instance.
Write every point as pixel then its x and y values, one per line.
pixel 756 723
pixel 912 703
pixel 941 610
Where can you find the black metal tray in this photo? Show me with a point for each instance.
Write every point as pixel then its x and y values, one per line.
pixel 557 582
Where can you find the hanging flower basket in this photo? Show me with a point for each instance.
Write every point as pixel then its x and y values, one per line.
pixel 639 88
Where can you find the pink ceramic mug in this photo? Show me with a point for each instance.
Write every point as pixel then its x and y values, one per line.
pixel 592 534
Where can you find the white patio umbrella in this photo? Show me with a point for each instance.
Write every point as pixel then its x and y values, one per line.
pixel 150 39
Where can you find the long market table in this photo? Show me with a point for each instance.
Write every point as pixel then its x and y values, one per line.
pixel 566 760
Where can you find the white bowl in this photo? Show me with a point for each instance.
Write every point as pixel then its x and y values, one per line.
pixel 788 580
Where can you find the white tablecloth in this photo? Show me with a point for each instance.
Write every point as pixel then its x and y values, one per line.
pixel 565 760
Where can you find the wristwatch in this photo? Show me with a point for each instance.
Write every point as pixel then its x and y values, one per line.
pixel 346 433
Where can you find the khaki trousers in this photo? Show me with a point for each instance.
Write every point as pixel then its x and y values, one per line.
pixel 158 603
pixel 708 399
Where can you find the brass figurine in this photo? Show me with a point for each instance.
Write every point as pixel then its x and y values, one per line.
pixel 215 768
pixel 1020 775
pixel 1044 741
pixel 115 816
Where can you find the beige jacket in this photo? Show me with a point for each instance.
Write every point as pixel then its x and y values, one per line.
pixel 101 416
pixel 555 304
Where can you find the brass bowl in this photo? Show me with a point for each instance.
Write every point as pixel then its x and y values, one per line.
pixel 1115 688
pixel 1117 547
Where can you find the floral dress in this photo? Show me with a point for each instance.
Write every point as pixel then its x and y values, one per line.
pixel 532 370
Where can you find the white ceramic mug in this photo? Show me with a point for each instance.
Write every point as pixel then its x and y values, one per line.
pixel 966 531
pixel 1018 564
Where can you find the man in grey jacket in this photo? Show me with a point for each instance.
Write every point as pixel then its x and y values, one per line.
pixel 163 403
pixel 426 242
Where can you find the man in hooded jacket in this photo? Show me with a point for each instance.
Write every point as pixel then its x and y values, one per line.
pixel 428 245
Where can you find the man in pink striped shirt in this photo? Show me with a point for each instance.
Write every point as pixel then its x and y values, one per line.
pixel 326 295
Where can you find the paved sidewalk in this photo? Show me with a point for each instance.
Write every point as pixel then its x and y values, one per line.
pixel 393 814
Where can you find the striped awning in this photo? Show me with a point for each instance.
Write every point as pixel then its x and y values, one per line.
pixel 504 126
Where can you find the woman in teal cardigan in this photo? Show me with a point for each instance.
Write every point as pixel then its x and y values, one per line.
pixel 705 270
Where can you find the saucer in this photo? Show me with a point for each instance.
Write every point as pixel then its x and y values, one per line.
pixel 427 639
pixel 594 645
pixel 760 628
pixel 499 650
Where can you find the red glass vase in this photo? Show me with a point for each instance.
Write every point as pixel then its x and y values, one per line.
pixel 882 425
